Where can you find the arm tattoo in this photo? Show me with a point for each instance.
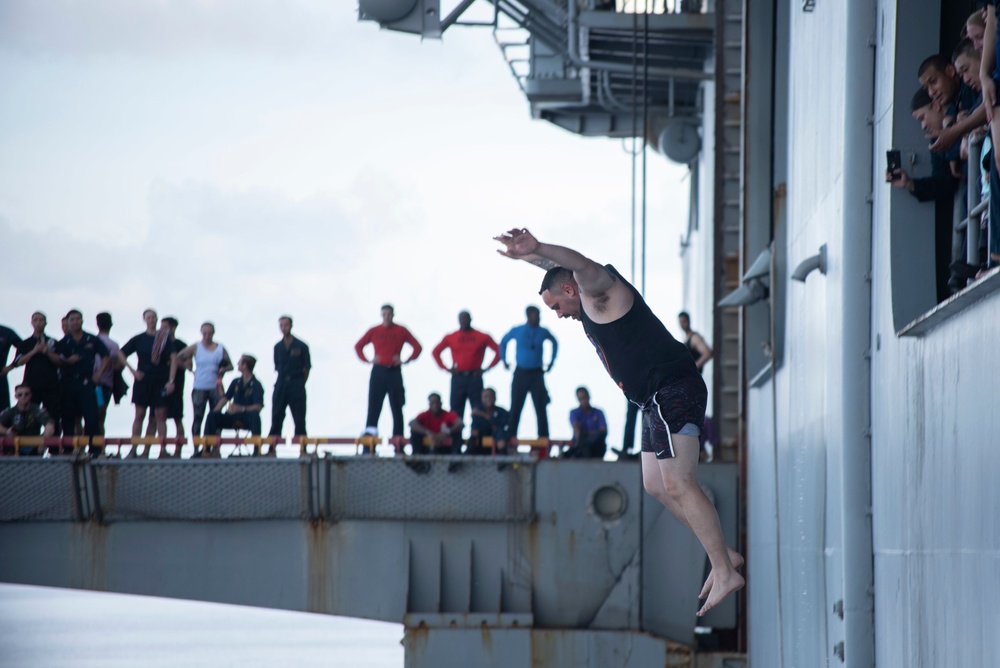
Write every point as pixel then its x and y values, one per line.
pixel 542 262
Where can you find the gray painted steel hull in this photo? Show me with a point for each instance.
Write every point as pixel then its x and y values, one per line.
pixel 501 557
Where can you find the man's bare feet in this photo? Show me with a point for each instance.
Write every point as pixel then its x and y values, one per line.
pixel 722 586
pixel 735 558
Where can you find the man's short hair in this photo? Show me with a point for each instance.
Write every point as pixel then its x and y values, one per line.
pixel 937 61
pixel 387 306
pixel 432 395
pixel 965 48
pixel 22 386
pixel 149 310
pixel 684 314
pixel 210 324
pixel 104 321
pixel 532 309
pixel 555 277
pixel 920 100
pixel 582 389
pixel 70 313
pixel 490 389
pixel 288 318
pixel 250 361
pixel 172 321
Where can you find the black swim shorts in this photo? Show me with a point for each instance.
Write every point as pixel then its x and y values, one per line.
pixel 676 408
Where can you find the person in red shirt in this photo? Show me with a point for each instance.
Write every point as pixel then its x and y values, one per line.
pixel 443 428
pixel 468 348
pixel 387 340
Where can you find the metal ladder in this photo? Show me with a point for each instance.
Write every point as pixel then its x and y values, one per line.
pixel 728 368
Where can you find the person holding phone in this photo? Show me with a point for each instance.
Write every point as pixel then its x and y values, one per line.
pixel 939 187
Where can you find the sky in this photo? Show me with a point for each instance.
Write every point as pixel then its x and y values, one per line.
pixel 236 161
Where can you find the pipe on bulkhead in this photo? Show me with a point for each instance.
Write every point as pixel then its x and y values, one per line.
pixel 856 327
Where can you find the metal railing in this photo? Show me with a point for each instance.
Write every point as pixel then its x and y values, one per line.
pixel 210 446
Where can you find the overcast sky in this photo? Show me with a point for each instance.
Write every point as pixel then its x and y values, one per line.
pixel 234 161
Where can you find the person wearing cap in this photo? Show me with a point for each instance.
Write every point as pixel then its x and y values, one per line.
pixel 939 187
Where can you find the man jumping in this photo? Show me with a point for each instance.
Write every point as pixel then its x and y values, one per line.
pixel 656 372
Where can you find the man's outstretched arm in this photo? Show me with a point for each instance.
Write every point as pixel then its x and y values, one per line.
pixel 520 244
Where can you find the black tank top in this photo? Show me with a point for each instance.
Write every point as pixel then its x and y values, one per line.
pixel 694 351
pixel 637 350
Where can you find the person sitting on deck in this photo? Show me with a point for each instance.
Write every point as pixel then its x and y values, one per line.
pixel 489 420
pixel 25 418
pixel 443 429
pixel 590 429
pixel 247 397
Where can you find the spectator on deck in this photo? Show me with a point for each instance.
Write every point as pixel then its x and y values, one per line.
pixel 106 383
pixel 975 29
pixel 25 418
pixel 590 429
pixel 292 364
pixel 77 352
pixel 37 354
pixel 695 342
pixel 988 73
pixel 211 362
pixel 442 428
pixel 529 374
pixel 175 398
pixel 8 339
pixel 940 79
pixel 152 370
pixel 468 348
pixel 939 187
pixel 387 341
pixel 247 397
pixel 489 420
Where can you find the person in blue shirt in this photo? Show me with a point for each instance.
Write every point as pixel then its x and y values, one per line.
pixel 529 375
pixel 590 429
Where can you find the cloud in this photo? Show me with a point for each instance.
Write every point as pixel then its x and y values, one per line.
pixel 168 27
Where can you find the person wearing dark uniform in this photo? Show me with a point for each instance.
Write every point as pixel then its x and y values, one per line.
pixel 77 352
pixel 247 397
pixel 8 339
pixel 654 370
pixel 153 354
pixel 38 357
pixel 292 364
pixel 25 419
pixel 175 398
pixel 387 340
pixel 489 420
pixel 529 374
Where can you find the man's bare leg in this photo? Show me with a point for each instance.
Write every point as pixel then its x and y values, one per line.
pixel 685 499
pixel 653 482
pixel 140 417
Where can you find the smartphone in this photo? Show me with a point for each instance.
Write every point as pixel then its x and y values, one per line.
pixel 893 162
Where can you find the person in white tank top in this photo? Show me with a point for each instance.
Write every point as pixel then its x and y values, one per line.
pixel 211 362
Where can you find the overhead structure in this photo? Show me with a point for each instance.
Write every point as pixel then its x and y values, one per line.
pixel 584 66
